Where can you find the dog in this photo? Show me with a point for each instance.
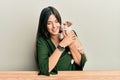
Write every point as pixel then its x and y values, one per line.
pixel 67 28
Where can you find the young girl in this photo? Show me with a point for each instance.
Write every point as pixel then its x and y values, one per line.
pixel 53 54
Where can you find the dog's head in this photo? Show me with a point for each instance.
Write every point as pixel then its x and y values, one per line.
pixel 67 24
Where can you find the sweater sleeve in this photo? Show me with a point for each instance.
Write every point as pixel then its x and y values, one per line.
pixel 82 62
pixel 43 57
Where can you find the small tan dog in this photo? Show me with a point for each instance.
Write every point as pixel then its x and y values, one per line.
pixel 67 28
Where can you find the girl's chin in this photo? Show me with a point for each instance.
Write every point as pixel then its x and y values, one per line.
pixel 55 33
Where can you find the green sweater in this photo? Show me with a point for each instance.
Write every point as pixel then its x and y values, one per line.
pixel 45 48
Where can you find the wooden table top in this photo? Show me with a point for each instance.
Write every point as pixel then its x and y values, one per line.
pixel 62 75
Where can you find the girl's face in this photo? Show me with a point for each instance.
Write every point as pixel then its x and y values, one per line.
pixel 53 26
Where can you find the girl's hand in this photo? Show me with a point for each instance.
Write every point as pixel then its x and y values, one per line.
pixel 68 38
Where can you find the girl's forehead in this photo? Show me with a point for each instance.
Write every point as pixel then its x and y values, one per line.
pixel 52 17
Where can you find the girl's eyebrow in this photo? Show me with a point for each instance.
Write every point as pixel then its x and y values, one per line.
pixel 49 21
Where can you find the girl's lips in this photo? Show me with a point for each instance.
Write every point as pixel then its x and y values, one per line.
pixel 55 30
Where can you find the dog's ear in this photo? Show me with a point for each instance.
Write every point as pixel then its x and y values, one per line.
pixel 68 23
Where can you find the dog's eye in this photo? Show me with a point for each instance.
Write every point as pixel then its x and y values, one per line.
pixel 63 23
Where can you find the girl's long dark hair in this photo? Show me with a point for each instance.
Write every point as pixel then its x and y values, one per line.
pixel 42 26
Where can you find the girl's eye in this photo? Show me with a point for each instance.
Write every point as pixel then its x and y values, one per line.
pixel 56 21
pixel 48 23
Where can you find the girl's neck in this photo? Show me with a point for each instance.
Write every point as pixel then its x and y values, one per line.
pixel 55 37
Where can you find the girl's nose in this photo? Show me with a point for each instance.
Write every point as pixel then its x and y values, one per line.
pixel 54 25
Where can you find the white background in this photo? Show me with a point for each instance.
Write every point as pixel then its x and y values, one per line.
pixel 97 23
